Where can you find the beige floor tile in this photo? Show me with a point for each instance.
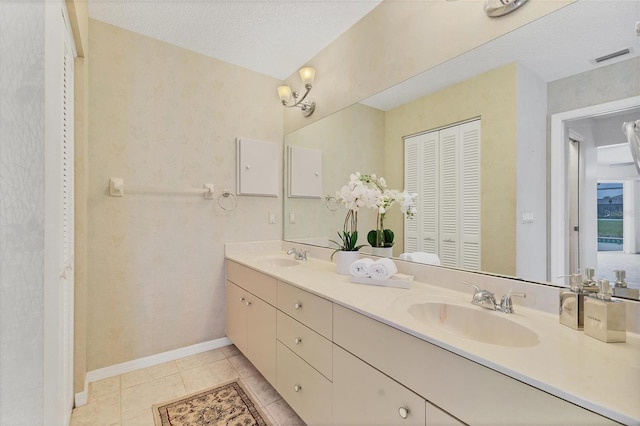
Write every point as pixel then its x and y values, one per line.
pixel 265 393
pixel 102 410
pixel 145 419
pixel 147 374
pixel 208 375
pixel 103 387
pixel 230 351
pixel 137 400
pixel 243 365
pixel 200 359
pixel 283 414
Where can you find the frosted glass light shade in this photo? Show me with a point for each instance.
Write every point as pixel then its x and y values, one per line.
pixel 284 92
pixel 307 75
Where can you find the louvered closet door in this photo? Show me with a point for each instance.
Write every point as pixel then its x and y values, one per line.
pixel 428 196
pixel 470 195
pixel 449 197
pixel 411 182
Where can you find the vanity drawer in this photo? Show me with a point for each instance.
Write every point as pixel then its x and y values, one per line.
pixel 306 343
pixel 308 392
pixel 311 310
pixel 451 381
pixel 253 281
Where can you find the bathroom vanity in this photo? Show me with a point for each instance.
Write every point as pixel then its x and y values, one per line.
pixel 345 353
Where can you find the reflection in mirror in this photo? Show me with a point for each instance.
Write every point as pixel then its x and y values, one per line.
pixel 519 84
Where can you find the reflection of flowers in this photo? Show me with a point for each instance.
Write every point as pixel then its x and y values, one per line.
pixel 370 191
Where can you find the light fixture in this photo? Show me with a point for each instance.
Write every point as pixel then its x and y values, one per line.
pixel 497 8
pixel 307 106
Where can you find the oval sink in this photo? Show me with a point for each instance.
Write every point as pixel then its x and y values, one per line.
pixel 474 323
pixel 278 262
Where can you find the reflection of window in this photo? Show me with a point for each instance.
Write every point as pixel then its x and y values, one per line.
pixel 610 216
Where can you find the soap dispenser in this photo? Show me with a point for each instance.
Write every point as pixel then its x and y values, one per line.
pixel 620 288
pixel 572 303
pixel 589 284
pixel 605 319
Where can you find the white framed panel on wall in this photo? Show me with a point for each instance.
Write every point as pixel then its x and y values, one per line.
pixel 257 167
pixel 305 172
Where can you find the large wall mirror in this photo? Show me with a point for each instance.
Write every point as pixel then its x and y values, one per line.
pixel 558 186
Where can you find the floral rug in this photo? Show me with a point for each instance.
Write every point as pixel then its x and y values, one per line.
pixel 227 404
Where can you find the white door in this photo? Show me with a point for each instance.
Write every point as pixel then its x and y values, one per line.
pixel 59 219
pixel 573 202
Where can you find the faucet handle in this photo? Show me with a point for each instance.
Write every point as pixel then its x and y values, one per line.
pixel 476 288
pixel 506 305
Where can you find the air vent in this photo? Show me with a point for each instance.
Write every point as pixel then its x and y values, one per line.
pixel 611 56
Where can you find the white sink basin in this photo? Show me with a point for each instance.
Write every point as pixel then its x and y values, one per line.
pixel 474 323
pixel 278 261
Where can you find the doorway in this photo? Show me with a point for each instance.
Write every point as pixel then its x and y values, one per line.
pixel 600 126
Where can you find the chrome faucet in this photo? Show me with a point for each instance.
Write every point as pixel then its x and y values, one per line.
pixel 487 300
pixel 506 305
pixel 298 254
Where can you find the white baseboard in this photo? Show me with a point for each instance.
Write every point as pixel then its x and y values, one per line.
pixel 81 398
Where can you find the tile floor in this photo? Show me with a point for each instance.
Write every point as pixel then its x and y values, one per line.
pixel 127 399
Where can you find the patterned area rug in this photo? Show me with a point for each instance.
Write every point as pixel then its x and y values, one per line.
pixel 227 404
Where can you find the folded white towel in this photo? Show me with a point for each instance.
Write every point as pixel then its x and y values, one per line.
pixel 421 257
pixel 360 268
pixel 383 269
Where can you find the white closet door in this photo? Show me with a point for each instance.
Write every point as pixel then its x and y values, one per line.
pixel 428 195
pixel 449 197
pixel 470 195
pixel 412 172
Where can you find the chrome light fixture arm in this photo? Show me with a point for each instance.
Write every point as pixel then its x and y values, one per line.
pixel 307 106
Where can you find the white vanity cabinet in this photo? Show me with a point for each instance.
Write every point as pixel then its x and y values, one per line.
pixel 305 367
pixel 336 366
pixel 469 391
pixel 251 320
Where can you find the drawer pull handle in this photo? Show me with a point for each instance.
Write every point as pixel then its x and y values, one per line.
pixel 404 412
pixel 297 388
pixel 242 299
pixel 298 306
pixel 297 340
pixel 248 303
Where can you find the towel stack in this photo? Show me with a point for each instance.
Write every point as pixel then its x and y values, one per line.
pixel 379 270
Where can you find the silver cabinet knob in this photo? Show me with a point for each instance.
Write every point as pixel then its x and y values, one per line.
pixel 248 303
pixel 298 306
pixel 297 388
pixel 404 412
pixel 297 340
pixel 242 299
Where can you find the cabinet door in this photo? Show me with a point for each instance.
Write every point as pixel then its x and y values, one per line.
pixel 364 396
pixel 237 316
pixel 261 337
pixel 305 390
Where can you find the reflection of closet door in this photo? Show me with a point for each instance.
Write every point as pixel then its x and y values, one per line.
pixel 449 196
pixel 470 195
pixel 428 198
pixel 412 171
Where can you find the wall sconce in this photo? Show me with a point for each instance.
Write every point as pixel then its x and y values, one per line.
pixel 306 105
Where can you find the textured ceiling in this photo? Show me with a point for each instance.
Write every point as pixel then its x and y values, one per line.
pixel 272 37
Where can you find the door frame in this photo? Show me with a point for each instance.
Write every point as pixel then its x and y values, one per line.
pixel 558 250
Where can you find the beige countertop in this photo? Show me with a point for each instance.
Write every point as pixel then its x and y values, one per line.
pixel 602 377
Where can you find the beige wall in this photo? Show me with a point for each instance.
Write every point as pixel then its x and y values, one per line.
pixel 491 96
pixel 162 115
pixel 397 40
pixel 351 140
